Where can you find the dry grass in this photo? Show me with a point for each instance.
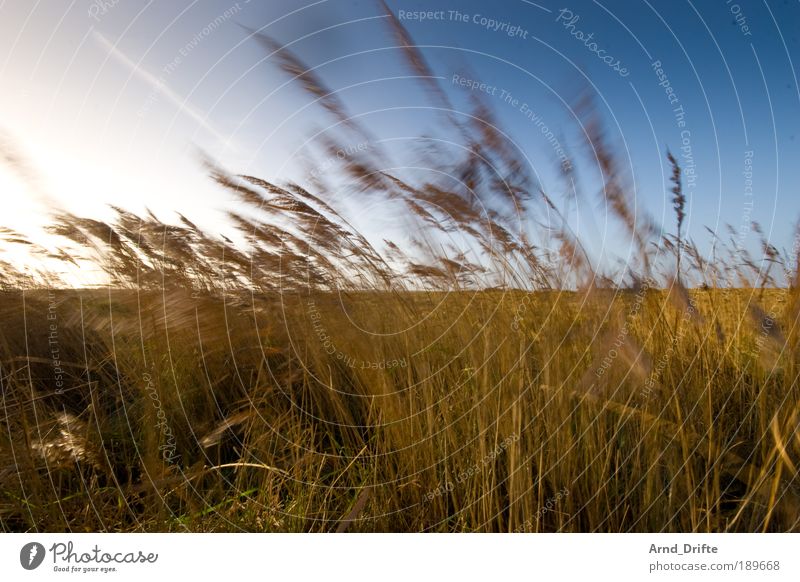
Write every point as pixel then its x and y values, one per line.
pixel 483 375
pixel 272 432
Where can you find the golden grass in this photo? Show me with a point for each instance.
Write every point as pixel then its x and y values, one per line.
pixel 464 421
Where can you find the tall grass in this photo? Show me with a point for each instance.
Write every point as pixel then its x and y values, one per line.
pixel 483 375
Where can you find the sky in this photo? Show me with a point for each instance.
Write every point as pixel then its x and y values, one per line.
pixel 110 101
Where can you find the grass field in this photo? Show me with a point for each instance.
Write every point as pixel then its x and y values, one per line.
pixel 591 411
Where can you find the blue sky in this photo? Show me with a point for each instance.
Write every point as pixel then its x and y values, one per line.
pixel 109 101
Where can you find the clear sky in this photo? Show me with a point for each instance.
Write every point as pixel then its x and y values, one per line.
pixel 108 101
